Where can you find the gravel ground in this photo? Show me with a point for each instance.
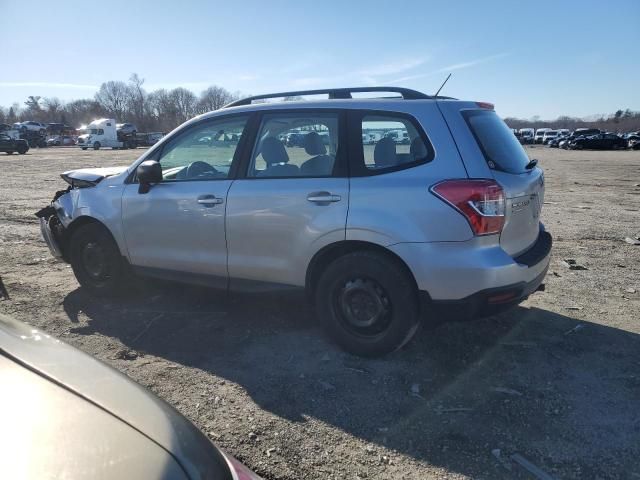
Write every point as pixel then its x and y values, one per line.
pixel 555 380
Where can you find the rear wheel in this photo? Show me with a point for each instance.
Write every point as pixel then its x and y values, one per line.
pixel 368 303
pixel 96 260
pixel 23 150
pixel 96 146
pixel 10 152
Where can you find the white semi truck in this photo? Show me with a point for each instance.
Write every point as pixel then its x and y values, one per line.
pixel 102 133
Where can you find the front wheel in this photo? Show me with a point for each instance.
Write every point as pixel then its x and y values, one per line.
pixel 23 150
pixel 96 260
pixel 368 303
pixel 10 152
pixel 96 146
pixel 84 148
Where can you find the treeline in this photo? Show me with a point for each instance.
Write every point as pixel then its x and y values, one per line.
pixel 159 110
pixel 620 121
pixel 162 110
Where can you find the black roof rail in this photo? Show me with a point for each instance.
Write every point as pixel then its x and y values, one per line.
pixel 334 93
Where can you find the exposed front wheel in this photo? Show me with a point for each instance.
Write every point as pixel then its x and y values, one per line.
pixel 368 303
pixel 96 260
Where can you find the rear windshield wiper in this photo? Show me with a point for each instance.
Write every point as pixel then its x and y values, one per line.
pixel 532 163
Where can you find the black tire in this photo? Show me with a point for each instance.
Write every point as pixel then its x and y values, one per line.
pixel 23 150
pixel 96 146
pixel 96 260
pixel 368 303
pixel 9 152
pixel 84 148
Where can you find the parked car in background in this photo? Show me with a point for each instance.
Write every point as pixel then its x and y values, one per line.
pixel 600 141
pixel 527 136
pixel 372 233
pixel 294 139
pixel 41 128
pixel 540 134
pixel 633 139
pixel 126 128
pixel 9 144
pixel 66 414
pixel 580 132
pixel 549 135
pixel 61 140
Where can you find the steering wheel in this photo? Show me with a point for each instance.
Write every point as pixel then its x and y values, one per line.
pixel 199 168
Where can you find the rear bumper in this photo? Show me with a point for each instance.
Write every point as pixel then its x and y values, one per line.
pixel 468 273
pixel 484 303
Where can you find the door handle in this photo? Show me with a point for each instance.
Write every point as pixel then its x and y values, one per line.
pixel 209 200
pixel 323 197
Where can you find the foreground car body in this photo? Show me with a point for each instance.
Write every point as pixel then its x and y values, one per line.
pixel 370 231
pixel 67 415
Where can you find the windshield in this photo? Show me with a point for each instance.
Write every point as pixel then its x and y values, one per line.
pixel 500 147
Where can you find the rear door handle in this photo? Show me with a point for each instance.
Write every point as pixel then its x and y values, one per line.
pixel 209 200
pixel 323 197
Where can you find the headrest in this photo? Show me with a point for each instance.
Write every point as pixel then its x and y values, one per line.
pixel 384 153
pixel 273 151
pixel 313 144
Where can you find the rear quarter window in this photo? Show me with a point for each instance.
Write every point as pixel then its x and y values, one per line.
pixel 500 147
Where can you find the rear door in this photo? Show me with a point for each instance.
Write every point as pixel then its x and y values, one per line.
pixel 490 150
pixel 291 197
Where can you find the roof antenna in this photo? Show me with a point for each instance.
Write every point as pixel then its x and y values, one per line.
pixel 443 83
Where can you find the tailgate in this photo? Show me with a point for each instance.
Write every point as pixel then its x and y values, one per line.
pixel 489 149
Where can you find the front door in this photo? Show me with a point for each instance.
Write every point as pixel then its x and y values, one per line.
pixel 179 225
pixel 291 198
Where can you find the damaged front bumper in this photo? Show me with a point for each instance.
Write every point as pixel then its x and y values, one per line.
pixel 51 228
pixel 48 234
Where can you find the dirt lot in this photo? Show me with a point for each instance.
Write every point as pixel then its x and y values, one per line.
pixel 556 380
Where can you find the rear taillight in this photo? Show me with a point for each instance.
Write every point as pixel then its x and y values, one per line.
pixel 480 201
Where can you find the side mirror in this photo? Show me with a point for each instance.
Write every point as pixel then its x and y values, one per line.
pixel 148 172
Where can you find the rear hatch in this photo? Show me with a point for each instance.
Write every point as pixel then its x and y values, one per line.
pixel 489 149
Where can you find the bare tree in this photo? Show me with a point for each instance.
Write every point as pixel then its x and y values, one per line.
pixel 185 103
pixel 214 98
pixel 137 99
pixel 113 96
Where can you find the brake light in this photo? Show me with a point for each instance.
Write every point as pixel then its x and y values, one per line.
pixel 480 201
pixel 487 105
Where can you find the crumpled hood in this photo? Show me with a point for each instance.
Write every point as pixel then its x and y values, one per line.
pixel 89 177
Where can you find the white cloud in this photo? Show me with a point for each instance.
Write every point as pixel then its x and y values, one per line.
pixel 452 67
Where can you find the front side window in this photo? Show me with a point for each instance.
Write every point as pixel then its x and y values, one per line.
pixel 204 151
pixel 391 142
pixel 296 145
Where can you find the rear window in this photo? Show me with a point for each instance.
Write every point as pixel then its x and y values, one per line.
pixel 501 149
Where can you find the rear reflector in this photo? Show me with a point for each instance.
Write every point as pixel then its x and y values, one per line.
pixel 480 201
pixel 501 298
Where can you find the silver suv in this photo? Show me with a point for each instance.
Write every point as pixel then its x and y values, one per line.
pixel 380 234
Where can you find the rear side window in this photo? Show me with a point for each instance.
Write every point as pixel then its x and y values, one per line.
pixel 500 147
pixel 390 142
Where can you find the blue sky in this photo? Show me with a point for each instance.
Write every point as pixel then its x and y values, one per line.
pixel 529 58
